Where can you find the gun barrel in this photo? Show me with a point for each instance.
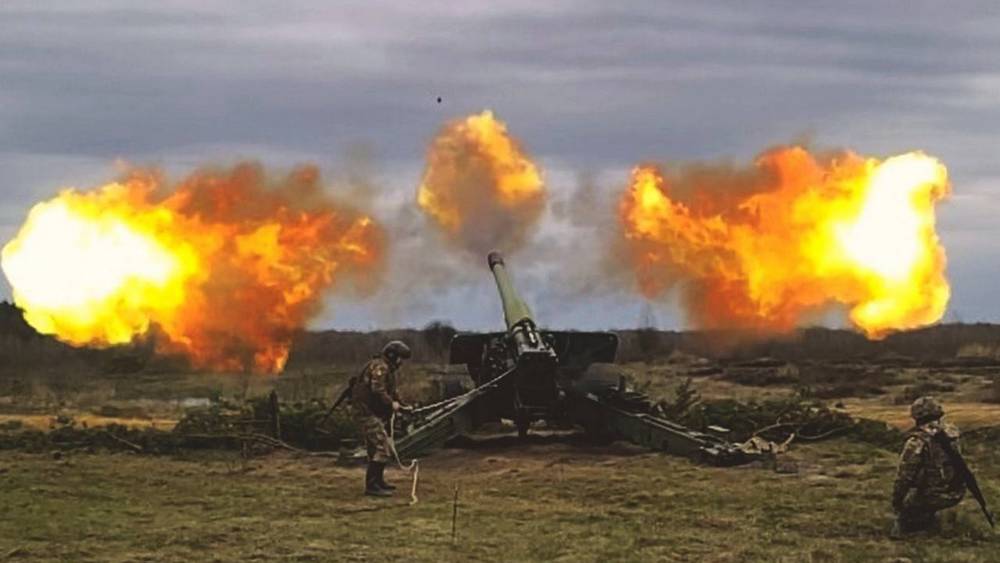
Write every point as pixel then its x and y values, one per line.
pixel 515 310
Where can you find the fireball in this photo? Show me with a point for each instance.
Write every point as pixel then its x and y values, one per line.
pixel 226 266
pixel 807 233
pixel 479 187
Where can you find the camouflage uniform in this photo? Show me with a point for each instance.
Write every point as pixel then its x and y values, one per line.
pixel 926 480
pixel 372 397
pixel 375 398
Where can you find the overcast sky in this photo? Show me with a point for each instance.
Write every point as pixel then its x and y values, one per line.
pixel 590 88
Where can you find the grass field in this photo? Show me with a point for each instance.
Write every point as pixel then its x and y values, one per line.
pixel 554 499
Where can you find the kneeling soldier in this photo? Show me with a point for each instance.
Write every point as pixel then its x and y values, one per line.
pixel 930 476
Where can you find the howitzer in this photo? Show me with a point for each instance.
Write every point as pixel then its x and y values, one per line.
pixel 526 374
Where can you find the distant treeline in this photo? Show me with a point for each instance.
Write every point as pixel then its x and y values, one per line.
pixel 23 348
pixel 939 342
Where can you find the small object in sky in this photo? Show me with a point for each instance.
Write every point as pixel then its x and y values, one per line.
pixel 439 99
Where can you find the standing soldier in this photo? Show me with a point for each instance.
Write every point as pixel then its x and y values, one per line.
pixel 930 476
pixel 375 399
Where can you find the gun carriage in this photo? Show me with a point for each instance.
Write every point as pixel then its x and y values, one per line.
pixel 526 374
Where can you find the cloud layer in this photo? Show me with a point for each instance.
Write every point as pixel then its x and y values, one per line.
pixel 592 89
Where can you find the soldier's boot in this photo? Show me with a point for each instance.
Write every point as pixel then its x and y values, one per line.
pixel 927 523
pixel 933 524
pixel 909 525
pixel 372 488
pixel 902 526
pixel 380 479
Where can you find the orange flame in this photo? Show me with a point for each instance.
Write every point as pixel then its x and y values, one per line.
pixel 228 266
pixel 811 232
pixel 479 186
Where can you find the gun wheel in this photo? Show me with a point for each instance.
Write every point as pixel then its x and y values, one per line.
pixel 523 424
pixel 598 434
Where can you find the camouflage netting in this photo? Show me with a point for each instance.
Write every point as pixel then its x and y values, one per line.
pixel 775 419
pixel 778 419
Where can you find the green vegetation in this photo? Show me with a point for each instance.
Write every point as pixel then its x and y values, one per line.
pixel 547 501
pixel 73 486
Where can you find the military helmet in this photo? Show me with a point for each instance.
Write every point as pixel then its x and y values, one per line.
pixel 926 409
pixel 395 351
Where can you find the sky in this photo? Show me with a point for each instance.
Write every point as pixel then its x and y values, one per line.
pixel 589 87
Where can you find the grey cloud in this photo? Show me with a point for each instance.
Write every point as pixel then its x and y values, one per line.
pixel 322 75
pixel 587 86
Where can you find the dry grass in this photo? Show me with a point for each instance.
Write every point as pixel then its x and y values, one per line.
pixel 546 501
pixel 966 415
pixel 45 421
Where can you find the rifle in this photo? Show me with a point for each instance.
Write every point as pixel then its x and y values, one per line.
pixel 344 394
pixel 965 473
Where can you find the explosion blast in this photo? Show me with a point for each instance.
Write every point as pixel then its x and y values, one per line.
pixel 479 187
pixel 763 247
pixel 227 265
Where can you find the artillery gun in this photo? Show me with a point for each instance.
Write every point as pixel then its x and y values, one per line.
pixel 526 374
